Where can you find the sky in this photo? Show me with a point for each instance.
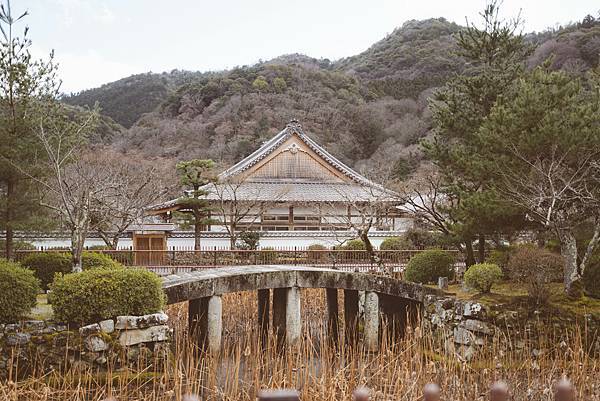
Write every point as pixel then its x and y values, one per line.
pixel 99 41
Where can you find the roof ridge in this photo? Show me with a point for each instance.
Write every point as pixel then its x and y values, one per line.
pixel 294 126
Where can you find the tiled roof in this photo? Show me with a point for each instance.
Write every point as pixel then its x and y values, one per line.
pixel 297 192
pixel 293 127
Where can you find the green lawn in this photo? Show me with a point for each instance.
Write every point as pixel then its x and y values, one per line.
pixel 515 295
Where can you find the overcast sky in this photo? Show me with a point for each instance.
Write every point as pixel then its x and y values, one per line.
pixel 98 41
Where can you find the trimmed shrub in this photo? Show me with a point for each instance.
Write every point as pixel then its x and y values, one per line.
pixel 354 245
pixel 423 239
pixel 315 252
pixel 100 294
pixel 500 257
pixel 483 276
pixel 536 267
pixel 429 265
pixel 395 244
pixel 46 265
pixel 95 260
pixel 18 291
pixel 591 278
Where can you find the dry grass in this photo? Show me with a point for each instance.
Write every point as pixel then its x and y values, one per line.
pixel 397 372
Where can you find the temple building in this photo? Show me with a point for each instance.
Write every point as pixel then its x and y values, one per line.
pixel 293 193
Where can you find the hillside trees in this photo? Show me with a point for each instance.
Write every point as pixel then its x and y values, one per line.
pixel 495 54
pixel 542 140
pixel 26 86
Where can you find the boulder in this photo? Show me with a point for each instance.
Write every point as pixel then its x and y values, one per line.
pixel 15 339
pixel 141 322
pixel 107 326
pixel 147 335
pixel 96 343
pixel 477 326
pixel 463 336
pixel 89 330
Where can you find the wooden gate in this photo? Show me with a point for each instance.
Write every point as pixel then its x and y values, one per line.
pixel 150 249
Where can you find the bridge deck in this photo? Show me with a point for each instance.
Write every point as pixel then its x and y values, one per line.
pixel 193 285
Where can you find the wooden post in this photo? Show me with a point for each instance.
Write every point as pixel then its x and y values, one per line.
pixel 431 392
pixel 564 391
pixel 499 392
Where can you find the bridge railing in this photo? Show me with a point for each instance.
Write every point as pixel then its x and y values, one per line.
pixel 182 259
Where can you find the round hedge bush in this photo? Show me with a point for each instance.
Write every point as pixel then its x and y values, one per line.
pixel 483 276
pixel 99 294
pixel 47 264
pixel 95 260
pixel 395 244
pixel 354 245
pixel 18 291
pixel 429 265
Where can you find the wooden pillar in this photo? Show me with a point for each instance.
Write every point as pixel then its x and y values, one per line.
pixel 264 302
pixel 279 308
pixel 332 315
pixel 351 316
pixel 371 327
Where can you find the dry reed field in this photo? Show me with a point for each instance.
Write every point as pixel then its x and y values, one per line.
pixel 320 372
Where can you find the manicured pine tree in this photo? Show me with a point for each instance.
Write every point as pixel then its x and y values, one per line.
pixel 193 175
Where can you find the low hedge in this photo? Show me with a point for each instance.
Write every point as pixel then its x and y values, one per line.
pixel 18 291
pixel 428 266
pixel 47 264
pixel 483 276
pixel 99 294
pixel 395 244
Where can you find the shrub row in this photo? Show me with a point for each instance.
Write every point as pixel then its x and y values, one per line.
pixel 46 265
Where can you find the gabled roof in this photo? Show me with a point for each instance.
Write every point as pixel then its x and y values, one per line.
pixel 293 128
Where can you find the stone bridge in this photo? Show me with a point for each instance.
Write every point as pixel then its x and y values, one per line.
pixel 378 295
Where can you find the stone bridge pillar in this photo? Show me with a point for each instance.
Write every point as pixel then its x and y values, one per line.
pixel 205 318
pixel 287 322
pixel 371 326
pixel 351 316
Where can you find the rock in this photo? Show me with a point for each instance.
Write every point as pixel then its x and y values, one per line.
pixel 141 322
pixel 33 325
pixel 472 309
pixel 14 339
pixel 107 326
pixel 148 335
pixel 89 330
pixel 477 326
pixel 463 336
pixel 96 343
pixel 11 328
pixel 443 283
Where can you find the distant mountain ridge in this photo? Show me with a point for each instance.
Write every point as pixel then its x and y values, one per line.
pixel 369 109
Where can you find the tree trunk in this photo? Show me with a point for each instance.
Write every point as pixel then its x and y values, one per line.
pixel 572 277
pixel 469 254
pixel 481 248
pixel 77 240
pixel 10 193
pixel 197 232
pixel 364 236
pixel 232 236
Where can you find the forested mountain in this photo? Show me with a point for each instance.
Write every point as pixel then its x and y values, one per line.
pixel 369 109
